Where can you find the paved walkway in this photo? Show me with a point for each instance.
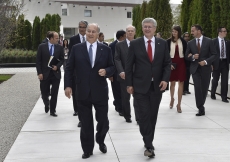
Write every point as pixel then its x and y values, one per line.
pixel 179 137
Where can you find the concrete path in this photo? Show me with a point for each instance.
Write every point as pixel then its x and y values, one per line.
pixel 178 138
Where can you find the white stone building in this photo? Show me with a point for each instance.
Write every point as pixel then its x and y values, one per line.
pixel 111 15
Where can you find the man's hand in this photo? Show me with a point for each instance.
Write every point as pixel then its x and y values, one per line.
pixel 202 63
pixel 172 67
pixel 54 68
pixel 111 79
pixel 163 85
pixel 189 55
pixel 196 56
pixel 68 92
pixel 130 89
pixel 40 76
pixel 122 75
pixel 102 72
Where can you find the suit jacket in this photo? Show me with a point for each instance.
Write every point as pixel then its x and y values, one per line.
pixel 105 44
pixel 160 68
pixel 121 53
pixel 43 56
pixel 88 81
pixel 45 40
pixel 217 46
pixel 73 40
pixel 207 53
pixel 112 46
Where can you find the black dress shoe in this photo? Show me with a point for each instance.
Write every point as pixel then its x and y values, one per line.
pixel 121 114
pixel 187 92
pixel 75 113
pixel 184 93
pixel 128 120
pixel 225 101
pixel 86 155
pixel 200 113
pixel 103 148
pixel 79 124
pixel 53 114
pixel 213 97
pixel 149 152
pixel 47 108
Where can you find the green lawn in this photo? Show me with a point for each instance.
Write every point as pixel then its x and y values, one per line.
pixel 4 77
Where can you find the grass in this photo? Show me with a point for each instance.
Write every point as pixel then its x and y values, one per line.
pixel 4 77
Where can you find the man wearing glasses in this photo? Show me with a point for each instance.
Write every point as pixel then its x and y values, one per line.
pixel 221 65
pixel 186 37
pixel 79 38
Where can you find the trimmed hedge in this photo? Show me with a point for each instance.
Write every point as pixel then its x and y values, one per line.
pixel 17 56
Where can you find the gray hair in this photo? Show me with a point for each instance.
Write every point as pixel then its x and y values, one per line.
pixel 131 26
pixel 149 20
pixel 84 22
pixel 94 24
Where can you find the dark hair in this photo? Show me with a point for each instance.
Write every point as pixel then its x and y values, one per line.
pixel 178 29
pixel 100 34
pixel 198 27
pixel 51 34
pixel 67 44
pixel 185 33
pixel 220 29
pixel 84 22
pixel 47 34
pixel 120 33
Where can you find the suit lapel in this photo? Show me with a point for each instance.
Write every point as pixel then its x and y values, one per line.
pixel 157 43
pixel 143 48
pixel 98 53
pixel 125 47
pixel 203 45
pixel 47 50
pixel 194 45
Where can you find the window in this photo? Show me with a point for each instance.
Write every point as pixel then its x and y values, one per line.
pixel 129 14
pixel 88 13
pixel 64 12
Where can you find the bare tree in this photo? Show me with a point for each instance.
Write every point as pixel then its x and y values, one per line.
pixel 9 10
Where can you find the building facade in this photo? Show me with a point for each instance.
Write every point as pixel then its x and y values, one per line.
pixel 111 15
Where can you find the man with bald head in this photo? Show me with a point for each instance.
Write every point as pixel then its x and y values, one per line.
pixel 121 53
pixel 92 62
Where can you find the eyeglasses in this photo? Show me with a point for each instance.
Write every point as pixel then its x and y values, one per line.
pixel 82 27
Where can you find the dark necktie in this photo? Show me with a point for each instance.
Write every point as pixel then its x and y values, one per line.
pixel 51 50
pixel 91 54
pixel 198 45
pixel 83 39
pixel 150 53
pixel 222 48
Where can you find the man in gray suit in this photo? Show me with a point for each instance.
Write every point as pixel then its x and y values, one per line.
pixel 201 53
pixel 121 52
pixel 148 80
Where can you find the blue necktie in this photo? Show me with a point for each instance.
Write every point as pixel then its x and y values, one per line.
pixel 91 54
pixel 51 50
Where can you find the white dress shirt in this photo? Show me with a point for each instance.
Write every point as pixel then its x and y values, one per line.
pixel 81 37
pixel 201 39
pixel 94 48
pixel 152 44
pixel 220 39
pixel 128 42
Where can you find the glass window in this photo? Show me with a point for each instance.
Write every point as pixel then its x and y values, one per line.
pixel 88 13
pixel 64 12
pixel 129 14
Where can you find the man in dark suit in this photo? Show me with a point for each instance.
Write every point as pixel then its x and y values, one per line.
pixel 186 37
pixel 92 62
pixel 120 35
pixel 120 58
pixel 49 75
pixel 101 38
pixel 47 38
pixel 221 65
pixel 201 53
pixel 149 78
pixel 79 38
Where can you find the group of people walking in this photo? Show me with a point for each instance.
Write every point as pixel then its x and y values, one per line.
pixel 140 67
